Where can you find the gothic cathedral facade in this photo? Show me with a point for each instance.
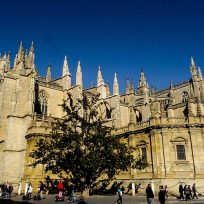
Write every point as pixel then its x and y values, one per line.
pixel 167 126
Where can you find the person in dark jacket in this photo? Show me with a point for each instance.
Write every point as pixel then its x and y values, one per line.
pixel 150 194
pixel 162 195
pixel 194 191
pixel 181 189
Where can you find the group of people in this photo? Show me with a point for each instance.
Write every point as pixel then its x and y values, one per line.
pixel 6 190
pixel 162 196
pixel 29 191
pixel 187 193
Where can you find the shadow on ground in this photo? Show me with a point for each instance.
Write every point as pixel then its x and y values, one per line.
pixel 8 201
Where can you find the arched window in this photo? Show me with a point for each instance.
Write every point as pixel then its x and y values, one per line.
pixel 43 102
pixel 108 110
pixel 138 116
pixel 143 150
pixel 184 97
pixel 108 113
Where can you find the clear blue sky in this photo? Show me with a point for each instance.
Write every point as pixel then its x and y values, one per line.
pixel 118 35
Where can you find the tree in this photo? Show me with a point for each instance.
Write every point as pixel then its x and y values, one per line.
pixel 82 146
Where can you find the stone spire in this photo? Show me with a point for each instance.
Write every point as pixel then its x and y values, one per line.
pixel 142 81
pixel 193 68
pixel 115 86
pixel 66 75
pixel 171 94
pixel 200 74
pixel 194 79
pixel 132 87
pixel 101 88
pixel 4 63
pixel 48 75
pixel 79 75
pixel 143 87
pixel 32 48
pixel 65 69
pixel 100 78
pixel 31 57
pixel 21 54
pixel 128 87
pixel 200 84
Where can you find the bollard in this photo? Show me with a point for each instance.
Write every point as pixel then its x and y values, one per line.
pixel 152 185
pixel 133 189
pixel 19 187
pixel 26 187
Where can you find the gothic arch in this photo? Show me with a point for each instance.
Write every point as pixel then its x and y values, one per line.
pixel 138 116
pixel 142 148
pixel 108 110
pixel 43 100
pixel 185 97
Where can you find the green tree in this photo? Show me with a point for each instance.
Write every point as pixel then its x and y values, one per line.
pixel 82 146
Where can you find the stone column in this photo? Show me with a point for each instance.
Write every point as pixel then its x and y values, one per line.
pixel 133 189
pixel 19 187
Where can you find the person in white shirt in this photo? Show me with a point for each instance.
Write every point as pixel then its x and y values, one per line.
pixel 29 190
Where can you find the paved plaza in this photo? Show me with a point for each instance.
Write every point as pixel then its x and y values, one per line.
pixel 49 199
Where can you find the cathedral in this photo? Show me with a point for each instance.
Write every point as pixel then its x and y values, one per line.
pixel 167 126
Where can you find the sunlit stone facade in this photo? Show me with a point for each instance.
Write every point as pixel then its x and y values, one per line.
pixel 167 126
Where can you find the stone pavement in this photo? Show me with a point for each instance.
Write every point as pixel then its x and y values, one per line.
pixel 49 199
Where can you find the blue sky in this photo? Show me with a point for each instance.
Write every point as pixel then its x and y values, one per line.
pixel 119 35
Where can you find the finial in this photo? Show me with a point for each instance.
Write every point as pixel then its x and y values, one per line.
pixel 48 75
pixel 199 72
pixel 8 56
pixel 32 47
pixel 100 77
pixel 171 84
pixel 21 46
pixel 115 85
pixel 79 74
pixel 192 61
pixel 65 69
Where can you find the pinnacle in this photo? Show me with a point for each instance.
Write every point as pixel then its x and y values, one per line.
pixel 192 61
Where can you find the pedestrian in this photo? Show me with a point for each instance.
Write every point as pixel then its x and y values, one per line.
pixel 162 195
pixel 181 196
pixel 6 189
pixel 187 192
pixel 60 186
pixel 167 191
pixel 41 189
pixel 119 193
pixel 29 190
pixel 194 191
pixel 150 194
pixel 10 189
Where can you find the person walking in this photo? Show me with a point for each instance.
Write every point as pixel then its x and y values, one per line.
pixel 41 189
pixel 29 191
pixel 181 196
pixel 119 193
pixel 162 195
pixel 150 194
pixel 194 191
pixel 167 191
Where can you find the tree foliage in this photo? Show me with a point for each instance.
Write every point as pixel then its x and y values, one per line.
pixel 82 146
